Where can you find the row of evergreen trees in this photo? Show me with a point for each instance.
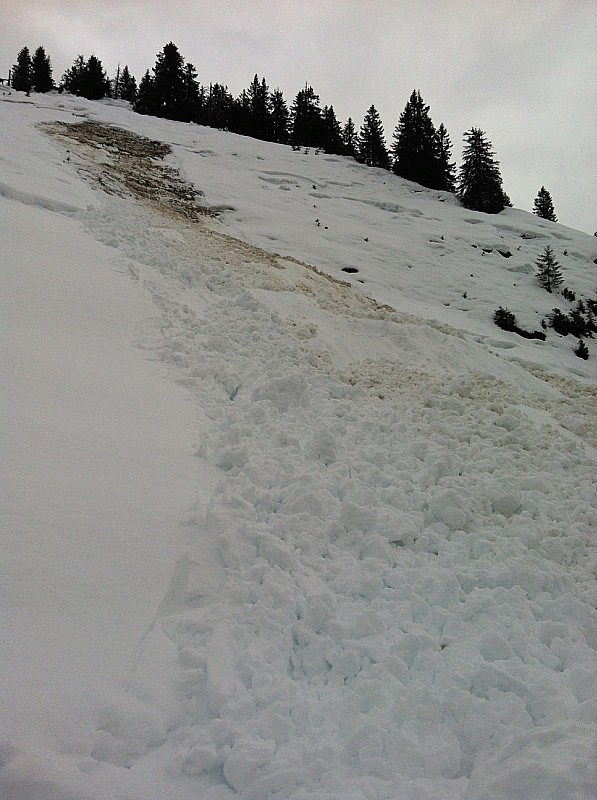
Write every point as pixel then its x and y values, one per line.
pixel 420 152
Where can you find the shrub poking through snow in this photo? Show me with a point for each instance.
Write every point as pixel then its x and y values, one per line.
pixel 504 319
pixel 582 351
pixel 549 271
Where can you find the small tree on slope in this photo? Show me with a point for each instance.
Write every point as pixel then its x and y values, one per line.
pixel 479 180
pixel 372 146
pixel 549 271
pixel 543 206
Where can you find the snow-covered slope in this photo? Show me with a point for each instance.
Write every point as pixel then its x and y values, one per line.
pixel 272 528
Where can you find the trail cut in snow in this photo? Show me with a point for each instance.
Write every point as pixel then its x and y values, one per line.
pixel 390 593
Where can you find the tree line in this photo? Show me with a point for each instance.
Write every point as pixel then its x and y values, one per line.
pixel 419 152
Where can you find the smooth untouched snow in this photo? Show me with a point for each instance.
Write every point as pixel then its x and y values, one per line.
pixel 272 534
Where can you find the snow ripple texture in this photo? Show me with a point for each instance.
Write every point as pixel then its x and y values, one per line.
pixel 392 592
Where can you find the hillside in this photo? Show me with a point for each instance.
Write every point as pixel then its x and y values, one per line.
pixel 286 515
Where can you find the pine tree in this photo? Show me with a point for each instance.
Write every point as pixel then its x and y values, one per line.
pixel 169 84
pixel 350 139
pixel 22 72
pixel 145 101
pixel 445 167
pixel 307 123
pixel 414 148
pixel 87 79
pixel 259 121
pixel 479 180
pixel 124 85
pixel 372 146
pixel 549 271
pixel 41 71
pixel 72 80
pixel 332 132
pixel 190 102
pixel 543 206
pixel 218 107
pixel 279 117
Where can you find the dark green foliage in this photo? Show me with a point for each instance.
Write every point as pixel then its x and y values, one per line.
pixel 41 71
pixel 125 85
pixel 504 319
pixel 169 93
pixel 22 72
pixel 87 79
pixel 332 132
pixel 445 167
pixel 422 154
pixel 279 117
pixel 307 121
pixel 259 121
pixel 579 322
pixel 371 145
pixel 568 294
pixel 549 272
pixel 350 139
pixel 479 179
pixel 190 110
pixel 144 101
pixel 219 106
pixel 543 205
pixel 582 351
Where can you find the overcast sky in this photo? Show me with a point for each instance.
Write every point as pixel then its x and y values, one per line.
pixel 522 70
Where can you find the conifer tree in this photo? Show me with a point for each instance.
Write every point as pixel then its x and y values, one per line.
pixel 415 146
pixel 479 179
pixel 94 81
pixel 22 72
pixel 87 79
pixel 144 102
pixel 41 71
pixel 279 117
pixel 259 123
pixel 169 89
pixel 443 154
pixel 307 124
pixel 350 139
pixel 372 146
pixel 190 101
pixel 543 205
pixel 124 85
pixel 332 132
pixel 73 76
pixel 218 107
pixel 549 271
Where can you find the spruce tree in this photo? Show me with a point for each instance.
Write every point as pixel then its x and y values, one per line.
pixel 279 117
pixel 190 100
pixel 124 85
pixel 22 72
pixel 41 71
pixel 307 123
pixel 446 178
pixel 350 139
pixel 94 81
pixel 219 106
pixel 169 84
pixel 549 271
pixel 372 146
pixel 259 122
pixel 543 206
pixel 332 132
pixel 145 101
pixel 479 179
pixel 414 148
pixel 72 80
